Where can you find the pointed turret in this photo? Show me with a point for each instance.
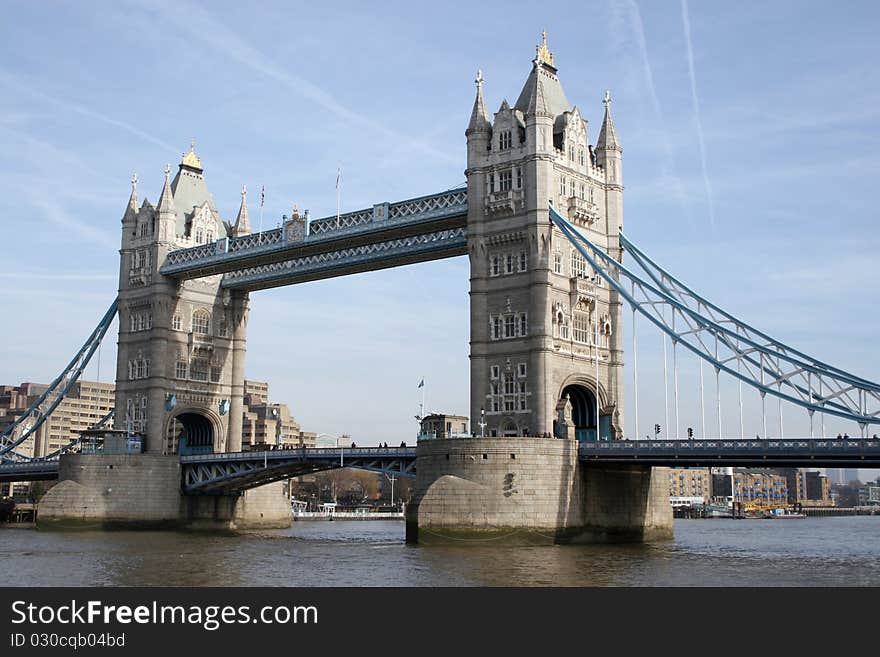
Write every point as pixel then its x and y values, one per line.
pixel 166 200
pixel 480 121
pixel 167 213
pixel 242 222
pixel 131 209
pixel 607 136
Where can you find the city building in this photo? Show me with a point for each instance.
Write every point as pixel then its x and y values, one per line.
pixel 690 483
pixel 441 425
pixel 760 487
pixel 84 406
pixel 807 487
pixel 265 423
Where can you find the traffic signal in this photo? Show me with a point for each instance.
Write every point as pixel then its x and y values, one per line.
pixel 656 429
pixel 690 433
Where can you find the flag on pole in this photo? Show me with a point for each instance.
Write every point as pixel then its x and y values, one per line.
pixel 262 195
pixel 422 383
pixel 338 175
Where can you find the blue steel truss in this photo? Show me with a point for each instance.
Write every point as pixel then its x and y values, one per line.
pixel 216 474
pixel 731 346
pixel 42 408
pixel 424 217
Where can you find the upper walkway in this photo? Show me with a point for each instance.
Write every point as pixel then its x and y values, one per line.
pixel 386 235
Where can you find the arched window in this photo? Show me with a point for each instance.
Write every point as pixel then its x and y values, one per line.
pixel 201 320
pixel 209 237
pixel 176 323
pixel 199 235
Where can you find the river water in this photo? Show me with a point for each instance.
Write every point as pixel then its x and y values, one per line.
pixel 810 552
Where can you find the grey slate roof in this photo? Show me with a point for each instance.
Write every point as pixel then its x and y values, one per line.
pixel 542 90
pixel 190 191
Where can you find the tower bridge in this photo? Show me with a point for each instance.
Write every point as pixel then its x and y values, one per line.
pixel 541 222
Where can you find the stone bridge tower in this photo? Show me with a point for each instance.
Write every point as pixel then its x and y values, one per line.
pixel 542 322
pixel 180 363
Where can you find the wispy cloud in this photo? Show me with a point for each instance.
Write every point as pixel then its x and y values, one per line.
pixel 697 118
pixel 55 214
pixel 69 105
pixel 201 25
pixel 633 17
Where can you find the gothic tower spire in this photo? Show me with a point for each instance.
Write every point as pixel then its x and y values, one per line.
pixel 607 135
pixel 242 222
pixel 479 116
pixel 132 207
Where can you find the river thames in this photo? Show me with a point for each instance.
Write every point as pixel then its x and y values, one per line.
pixel 809 552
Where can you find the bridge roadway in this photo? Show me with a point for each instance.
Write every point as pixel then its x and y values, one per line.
pixel 386 235
pixel 226 473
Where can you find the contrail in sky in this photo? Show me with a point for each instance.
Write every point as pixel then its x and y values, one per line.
pixel 638 27
pixel 690 59
pixel 202 25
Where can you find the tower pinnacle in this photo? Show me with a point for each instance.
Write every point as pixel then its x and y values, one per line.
pixel 191 160
pixel 242 221
pixel 607 135
pixel 543 54
pixel 480 121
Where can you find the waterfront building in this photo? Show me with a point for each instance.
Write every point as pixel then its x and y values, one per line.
pixel 759 486
pixel 441 425
pixel 807 488
pixel 690 483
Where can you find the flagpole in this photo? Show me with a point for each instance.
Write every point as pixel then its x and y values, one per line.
pixel 338 192
pixel 262 200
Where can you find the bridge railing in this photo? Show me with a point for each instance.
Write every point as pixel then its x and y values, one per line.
pixel 311 452
pixel 423 208
pixel 792 444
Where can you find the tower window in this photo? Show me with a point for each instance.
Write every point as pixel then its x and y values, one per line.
pixel 523 261
pixel 180 370
pixel 496 265
pixel 578 265
pixel 176 323
pixel 508 261
pixel 523 324
pixel 505 180
pixel 557 262
pixel 504 140
pixel 200 322
pixel 521 369
pixel 494 371
pixel 519 178
pixel 509 326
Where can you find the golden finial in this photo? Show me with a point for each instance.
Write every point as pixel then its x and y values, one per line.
pixel 544 56
pixel 295 214
pixel 191 159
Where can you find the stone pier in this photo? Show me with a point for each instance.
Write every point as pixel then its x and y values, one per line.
pixel 142 491
pixel 531 490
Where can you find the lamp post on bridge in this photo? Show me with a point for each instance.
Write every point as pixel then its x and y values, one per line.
pixel 392 479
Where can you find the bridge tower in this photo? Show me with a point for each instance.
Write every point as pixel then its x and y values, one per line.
pixel 180 363
pixel 546 335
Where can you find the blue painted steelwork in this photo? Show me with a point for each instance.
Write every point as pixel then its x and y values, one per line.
pixel 43 407
pixel 37 470
pixel 380 223
pixel 685 295
pixel 226 473
pixel 368 257
pixel 768 369
pixel 789 453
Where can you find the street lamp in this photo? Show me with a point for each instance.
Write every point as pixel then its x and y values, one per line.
pixel 392 479
pixel 482 423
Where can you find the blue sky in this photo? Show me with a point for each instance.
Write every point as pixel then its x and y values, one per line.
pixel 750 135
